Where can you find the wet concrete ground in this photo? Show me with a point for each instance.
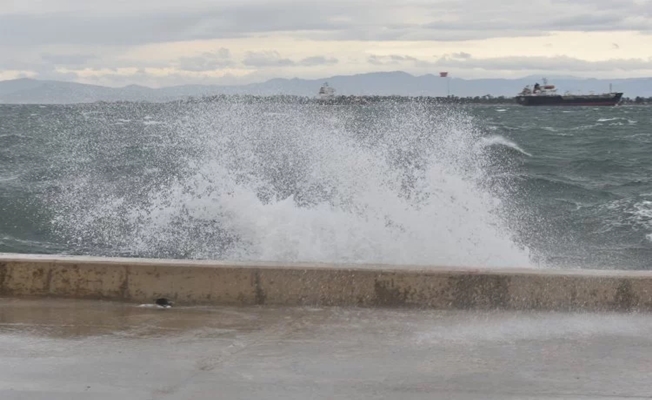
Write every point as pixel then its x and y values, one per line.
pixel 61 349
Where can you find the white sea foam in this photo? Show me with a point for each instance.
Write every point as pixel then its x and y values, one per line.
pixel 501 141
pixel 403 185
pixel 631 214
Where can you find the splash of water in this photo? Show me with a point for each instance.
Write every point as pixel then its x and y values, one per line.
pixel 395 184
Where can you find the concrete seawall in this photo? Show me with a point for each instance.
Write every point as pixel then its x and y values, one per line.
pixel 225 283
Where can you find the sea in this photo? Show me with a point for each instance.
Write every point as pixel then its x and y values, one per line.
pixel 400 183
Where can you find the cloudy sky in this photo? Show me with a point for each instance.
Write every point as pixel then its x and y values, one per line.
pixel 166 42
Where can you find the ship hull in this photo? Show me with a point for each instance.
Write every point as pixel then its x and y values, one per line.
pixel 590 100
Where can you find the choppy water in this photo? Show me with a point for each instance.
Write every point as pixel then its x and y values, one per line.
pixel 410 183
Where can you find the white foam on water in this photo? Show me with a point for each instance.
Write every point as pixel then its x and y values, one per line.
pixel 148 122
pixel 9 178
pixel 642 216
pixel 501 141
pixel 629 213
pixel 404 186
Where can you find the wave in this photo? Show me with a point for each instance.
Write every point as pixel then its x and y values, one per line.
pixel 394 185
pixel 501 141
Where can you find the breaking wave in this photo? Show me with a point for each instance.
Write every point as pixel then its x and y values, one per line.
pixel 393 184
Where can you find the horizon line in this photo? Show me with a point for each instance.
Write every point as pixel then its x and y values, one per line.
pixel 434 75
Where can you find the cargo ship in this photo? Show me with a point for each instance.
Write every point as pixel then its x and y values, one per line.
pixel 546 95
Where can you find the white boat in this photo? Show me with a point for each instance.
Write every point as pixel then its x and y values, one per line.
pixel 326 92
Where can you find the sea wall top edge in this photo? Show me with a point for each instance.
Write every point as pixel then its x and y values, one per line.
pixel 426 269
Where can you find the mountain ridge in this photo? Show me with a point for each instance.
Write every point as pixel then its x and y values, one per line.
pixel 399 83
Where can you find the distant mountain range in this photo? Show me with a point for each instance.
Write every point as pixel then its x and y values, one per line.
pixel 32 91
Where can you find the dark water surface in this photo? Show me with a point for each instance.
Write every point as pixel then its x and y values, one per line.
pixel 410 183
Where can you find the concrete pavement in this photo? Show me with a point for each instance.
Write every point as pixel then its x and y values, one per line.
pixel 80 349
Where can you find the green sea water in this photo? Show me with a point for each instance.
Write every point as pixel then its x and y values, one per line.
pixel 383 183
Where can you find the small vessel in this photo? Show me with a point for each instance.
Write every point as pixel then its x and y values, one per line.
pixel 546 95
pixel 326 92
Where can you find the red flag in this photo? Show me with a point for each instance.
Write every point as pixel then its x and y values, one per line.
pixel 443 74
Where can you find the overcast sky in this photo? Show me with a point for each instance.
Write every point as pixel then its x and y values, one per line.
pixel 166 42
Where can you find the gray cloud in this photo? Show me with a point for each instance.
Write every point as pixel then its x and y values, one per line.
pixel 266 59
pixel 317 60
pixel 201 22
pixel 464 61
pixel 389 60
pixel 564 63
pixel 142 77
pixel 462 55
pixel 45 64
pixel 68 59
pixel 75 34
pixel 49 72
pixel 138 23
pixel 12 63
pixel 206 61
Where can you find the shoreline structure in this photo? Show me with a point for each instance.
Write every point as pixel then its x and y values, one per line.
pixel 190 282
